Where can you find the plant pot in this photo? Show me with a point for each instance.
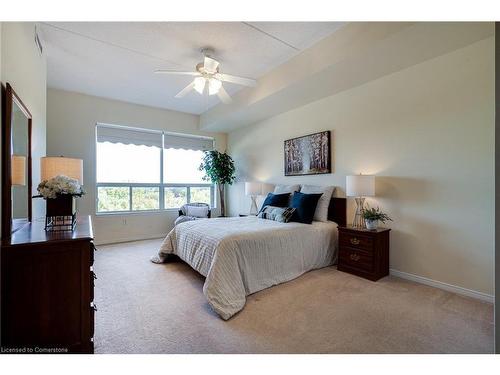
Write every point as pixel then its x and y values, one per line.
pixel 371 224
pixel 63 205
pixel 61 213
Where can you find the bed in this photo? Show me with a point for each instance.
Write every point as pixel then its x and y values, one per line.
pixel 243 255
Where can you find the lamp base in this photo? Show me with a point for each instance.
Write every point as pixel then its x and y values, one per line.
pixel 253 207
pixel 359 222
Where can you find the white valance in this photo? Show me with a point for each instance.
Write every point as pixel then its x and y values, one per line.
pixel 115 134
pixel 128 136
pixel 187 142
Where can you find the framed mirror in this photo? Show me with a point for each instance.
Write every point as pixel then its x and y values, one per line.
pixel 16 163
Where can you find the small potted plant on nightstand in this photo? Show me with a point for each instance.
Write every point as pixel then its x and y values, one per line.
pixel 372 216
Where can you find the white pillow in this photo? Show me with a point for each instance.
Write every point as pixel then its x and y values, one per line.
pixel 321 213
pixel 195 211
pixel 282 189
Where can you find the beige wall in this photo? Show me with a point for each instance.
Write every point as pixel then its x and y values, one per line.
pixel 26 70
pixel 71 120
pixel 427 132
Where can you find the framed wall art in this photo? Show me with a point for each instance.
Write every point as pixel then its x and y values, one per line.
pixel 308 155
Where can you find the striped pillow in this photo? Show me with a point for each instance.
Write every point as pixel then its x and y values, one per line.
pixel 280 214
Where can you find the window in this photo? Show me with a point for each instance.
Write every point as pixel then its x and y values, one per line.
pixel 141 170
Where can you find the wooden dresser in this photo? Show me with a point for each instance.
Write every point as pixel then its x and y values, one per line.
pixel 47 290
pixel 364 252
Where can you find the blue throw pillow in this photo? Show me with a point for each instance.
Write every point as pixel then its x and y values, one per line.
pixel 305 206
pixel 276 200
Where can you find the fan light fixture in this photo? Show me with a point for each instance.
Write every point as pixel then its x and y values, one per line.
pixel 208 71
pixel 214 86
pixel 199 84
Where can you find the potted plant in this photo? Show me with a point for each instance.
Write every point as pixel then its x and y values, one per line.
pixel 372 216
pixel 60 193
pixel 219 169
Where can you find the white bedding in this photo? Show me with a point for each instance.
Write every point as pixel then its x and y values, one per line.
pixel 240 256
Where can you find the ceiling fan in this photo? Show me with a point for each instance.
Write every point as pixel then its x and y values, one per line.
pixel 208 77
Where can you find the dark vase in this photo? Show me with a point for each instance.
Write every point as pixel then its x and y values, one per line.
pixel 63 205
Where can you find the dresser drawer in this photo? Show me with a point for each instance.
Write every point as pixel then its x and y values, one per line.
pixel 355 258
pixel 356 241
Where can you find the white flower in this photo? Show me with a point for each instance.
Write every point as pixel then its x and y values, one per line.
pixel 50 189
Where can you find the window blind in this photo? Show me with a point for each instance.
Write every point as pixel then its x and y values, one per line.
pixel 128 136
pixel 188 142
pixel 115 134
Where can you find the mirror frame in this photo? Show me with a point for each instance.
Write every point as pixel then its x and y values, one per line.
pixel 9 98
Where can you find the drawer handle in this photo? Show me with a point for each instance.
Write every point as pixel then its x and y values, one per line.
pixel 354 241
pixel 93 306
pixel 94 275
pixel 354 257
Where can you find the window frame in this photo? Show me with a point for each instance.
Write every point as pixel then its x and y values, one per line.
pixel 161 185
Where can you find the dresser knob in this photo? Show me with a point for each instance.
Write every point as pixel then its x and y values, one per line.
pixel 354 257
pixel 93 306
pixel 354 241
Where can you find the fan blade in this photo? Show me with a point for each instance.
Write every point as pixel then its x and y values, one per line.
pixel 185 90
pixel 224 96
pixel 172 72
pixel 238 80
pixel 210 65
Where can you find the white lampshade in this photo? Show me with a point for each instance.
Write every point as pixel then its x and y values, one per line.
pixel 52 166
pixel 360 186
pixel 18 170
pixel 253 188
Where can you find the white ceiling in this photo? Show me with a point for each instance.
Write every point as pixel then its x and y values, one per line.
pixel 116 59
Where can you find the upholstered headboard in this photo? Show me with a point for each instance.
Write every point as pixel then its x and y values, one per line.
pixel 337 211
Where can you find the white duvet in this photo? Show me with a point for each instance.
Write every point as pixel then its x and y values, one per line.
pixel 240 256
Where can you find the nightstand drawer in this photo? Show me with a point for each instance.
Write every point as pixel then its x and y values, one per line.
pixel 356 241
pixel 355 258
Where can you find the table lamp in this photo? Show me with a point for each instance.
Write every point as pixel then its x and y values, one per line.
pixel 360 186
pixel 253 189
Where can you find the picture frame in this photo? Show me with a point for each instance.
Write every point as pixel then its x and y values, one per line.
pixel 308 155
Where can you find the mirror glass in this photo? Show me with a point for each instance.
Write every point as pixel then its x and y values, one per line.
pixel 19 166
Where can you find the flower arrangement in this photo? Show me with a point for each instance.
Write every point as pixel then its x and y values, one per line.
pixel 59 185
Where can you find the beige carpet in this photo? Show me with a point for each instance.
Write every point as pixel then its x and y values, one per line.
pixel 149 308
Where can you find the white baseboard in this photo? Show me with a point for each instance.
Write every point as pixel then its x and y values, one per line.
pixel 440 285
pixel 129 239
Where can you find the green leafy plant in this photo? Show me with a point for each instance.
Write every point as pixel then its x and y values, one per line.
pixel 219 169
pixel 372 213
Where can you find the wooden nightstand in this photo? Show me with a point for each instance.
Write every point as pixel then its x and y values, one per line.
pixel 364 252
